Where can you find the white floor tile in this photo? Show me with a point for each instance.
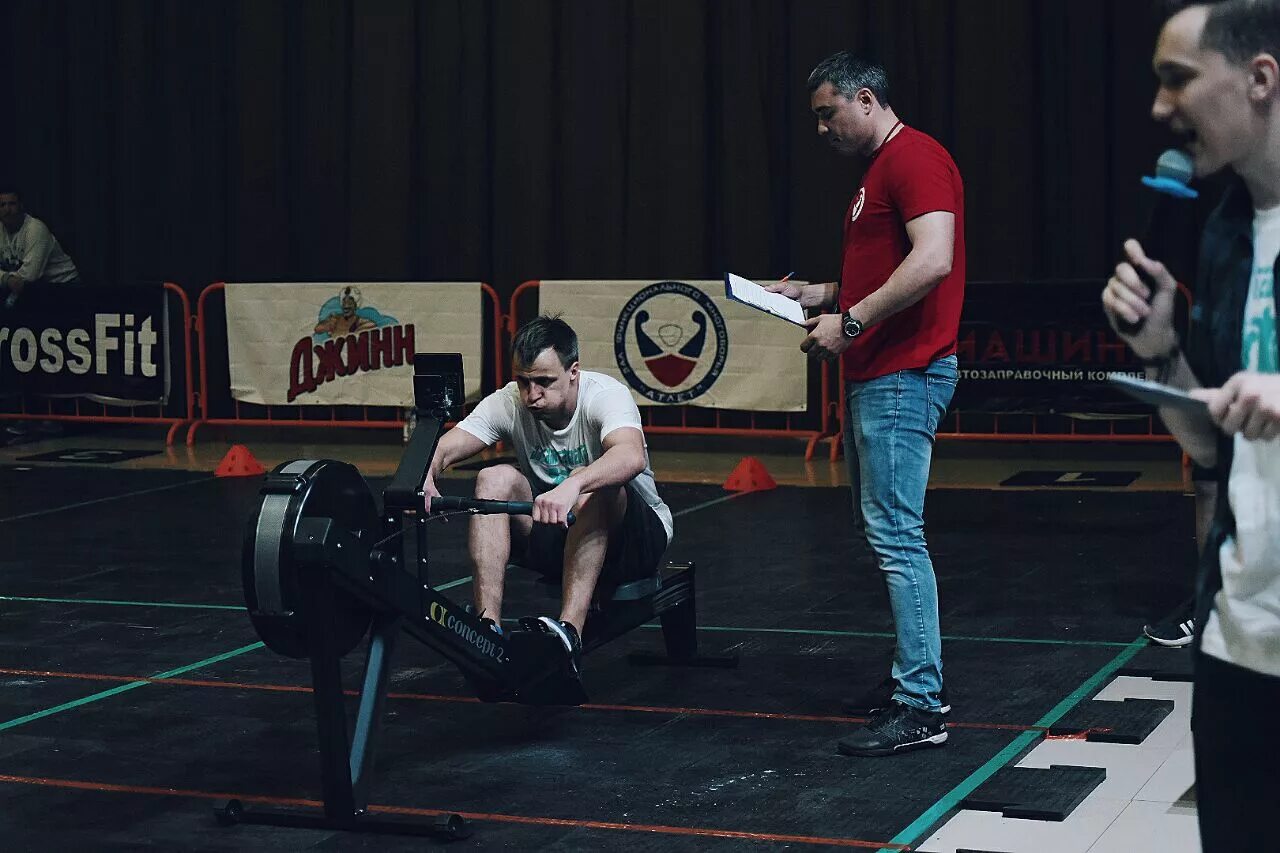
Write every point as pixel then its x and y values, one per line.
pixel 1128 767
pixel 991 831
pixel 1131 686
pixel 1187 742
pixel 1171 780
pixel 1130 812
pixel 1151 828
pixel 1173 730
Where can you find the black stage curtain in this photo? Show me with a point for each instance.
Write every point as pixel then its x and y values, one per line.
pixel 508 139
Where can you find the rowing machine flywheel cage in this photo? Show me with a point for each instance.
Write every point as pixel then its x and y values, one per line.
pixel 276 583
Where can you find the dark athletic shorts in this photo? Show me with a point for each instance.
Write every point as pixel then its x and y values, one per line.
pixel 635 548
pixel 1201 474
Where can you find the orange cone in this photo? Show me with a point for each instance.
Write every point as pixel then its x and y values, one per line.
pixel 750 476
pixel 239 462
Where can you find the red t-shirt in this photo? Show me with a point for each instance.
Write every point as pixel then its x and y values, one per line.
pixel 911 175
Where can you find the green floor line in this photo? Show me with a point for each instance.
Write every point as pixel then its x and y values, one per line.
pixel 705 504
pixel 116 603
pixel 953 797
pixel 885 635
pixel 449 585
pixel 38 599
pixel 132 685
pixel 807 632
pixel 452 584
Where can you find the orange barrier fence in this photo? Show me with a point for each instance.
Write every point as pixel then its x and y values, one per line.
pixel 178 411
pixel 977 426
pixel 209 400
pixel 218 407
pixel 824 417
pixel 1030 427
pixel 816 422
pixel 962 425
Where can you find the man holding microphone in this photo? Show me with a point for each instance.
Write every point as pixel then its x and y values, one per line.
pixel 1218 71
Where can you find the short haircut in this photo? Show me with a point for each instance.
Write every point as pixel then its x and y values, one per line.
pixel 847 74
pixel 542 332
pixel 1238 29
pixel 10 188
pixel 1242 29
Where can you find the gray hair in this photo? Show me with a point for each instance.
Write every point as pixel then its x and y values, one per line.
pixel 847 74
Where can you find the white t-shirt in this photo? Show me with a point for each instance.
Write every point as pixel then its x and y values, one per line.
pixel 1244 626
pixel 34 253
pixel 547 456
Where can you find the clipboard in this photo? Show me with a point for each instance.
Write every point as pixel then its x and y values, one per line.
pixel 1156 394
pixel 747 292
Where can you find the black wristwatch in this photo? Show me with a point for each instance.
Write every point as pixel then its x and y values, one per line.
pixel 851 327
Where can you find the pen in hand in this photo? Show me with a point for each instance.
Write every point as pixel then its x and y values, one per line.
pixel 794 292
pixel 790 291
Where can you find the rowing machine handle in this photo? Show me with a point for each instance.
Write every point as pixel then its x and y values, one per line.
pixel 447 504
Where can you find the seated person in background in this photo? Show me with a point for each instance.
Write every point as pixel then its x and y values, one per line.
pixel 580 447
pixel 29 253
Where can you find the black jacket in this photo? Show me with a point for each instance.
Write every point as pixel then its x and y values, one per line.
pixel 1213 350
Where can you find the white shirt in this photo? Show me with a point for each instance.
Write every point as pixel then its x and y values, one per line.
pixel 547 456
pixel 1244 626
pixel 34 253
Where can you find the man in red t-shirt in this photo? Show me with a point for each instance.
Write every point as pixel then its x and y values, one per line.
pixel 899 296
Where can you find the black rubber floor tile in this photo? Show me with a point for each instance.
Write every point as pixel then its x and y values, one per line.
pixel 803 604
pixel 1126 721
pixel 1161 664
pixel 1037 793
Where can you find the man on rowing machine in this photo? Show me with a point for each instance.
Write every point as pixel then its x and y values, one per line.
pixel 580 447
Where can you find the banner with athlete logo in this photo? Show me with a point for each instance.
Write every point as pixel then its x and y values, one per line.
pixel 347 343
pixel 683 343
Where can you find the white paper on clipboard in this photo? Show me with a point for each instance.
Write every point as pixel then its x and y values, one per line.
pixel 1155 393
pixel 747 292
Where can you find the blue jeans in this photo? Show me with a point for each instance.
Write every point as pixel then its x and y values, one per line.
pixel 889 429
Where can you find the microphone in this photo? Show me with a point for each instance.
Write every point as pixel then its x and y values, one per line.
pixel 1174 170
pixel 1165 238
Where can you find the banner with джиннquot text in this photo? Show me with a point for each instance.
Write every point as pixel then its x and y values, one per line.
pixel 347 343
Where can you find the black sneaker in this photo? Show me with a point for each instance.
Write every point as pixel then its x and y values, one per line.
pixel 486 690
pixel 568 635
pixel 898 728
pixel 879 697
pixel 1175 630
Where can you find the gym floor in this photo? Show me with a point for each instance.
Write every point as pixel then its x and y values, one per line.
pixel 137 695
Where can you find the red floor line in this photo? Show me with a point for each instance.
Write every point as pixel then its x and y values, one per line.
pixel 662 829
pixel 434 697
